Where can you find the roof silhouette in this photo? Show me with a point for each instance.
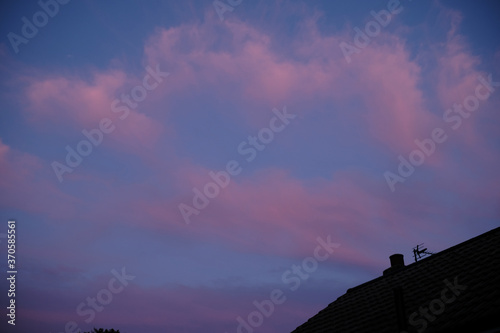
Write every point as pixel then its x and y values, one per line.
pixel 455 290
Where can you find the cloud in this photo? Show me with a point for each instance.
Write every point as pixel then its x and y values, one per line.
pixel 312 72
pixel 69 104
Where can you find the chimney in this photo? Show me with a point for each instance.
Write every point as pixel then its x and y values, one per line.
pixel 397 260
pixel 397 263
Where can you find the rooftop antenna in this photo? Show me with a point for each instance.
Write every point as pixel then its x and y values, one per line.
pixel 420 252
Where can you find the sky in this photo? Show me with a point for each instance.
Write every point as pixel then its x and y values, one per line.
pixel 235 165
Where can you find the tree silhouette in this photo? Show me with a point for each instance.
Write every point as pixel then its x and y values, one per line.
pixel 101 330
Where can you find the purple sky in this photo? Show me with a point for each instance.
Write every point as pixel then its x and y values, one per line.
pixel 372 125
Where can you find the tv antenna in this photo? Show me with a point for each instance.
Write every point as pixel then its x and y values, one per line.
pixel 420 252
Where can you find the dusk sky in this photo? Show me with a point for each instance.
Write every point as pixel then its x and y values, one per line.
pixel 178 166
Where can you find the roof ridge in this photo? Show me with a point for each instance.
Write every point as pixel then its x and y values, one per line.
pixel 426 259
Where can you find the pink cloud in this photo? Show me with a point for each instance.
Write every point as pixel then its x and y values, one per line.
pixel 454 79
pixel 383 76
pixel 273 213
pixel 59 102
pixel 201 56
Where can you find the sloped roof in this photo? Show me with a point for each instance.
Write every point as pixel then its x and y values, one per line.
pixel 386 303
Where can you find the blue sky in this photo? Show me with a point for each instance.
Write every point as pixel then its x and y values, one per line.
pixel 352 155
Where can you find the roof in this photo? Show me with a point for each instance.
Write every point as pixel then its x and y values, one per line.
pixel 387 303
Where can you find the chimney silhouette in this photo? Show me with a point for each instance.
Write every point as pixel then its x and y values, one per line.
pixel 397 263
pixel 397 260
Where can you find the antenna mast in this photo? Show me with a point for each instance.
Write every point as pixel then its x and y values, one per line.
pixel 420 252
